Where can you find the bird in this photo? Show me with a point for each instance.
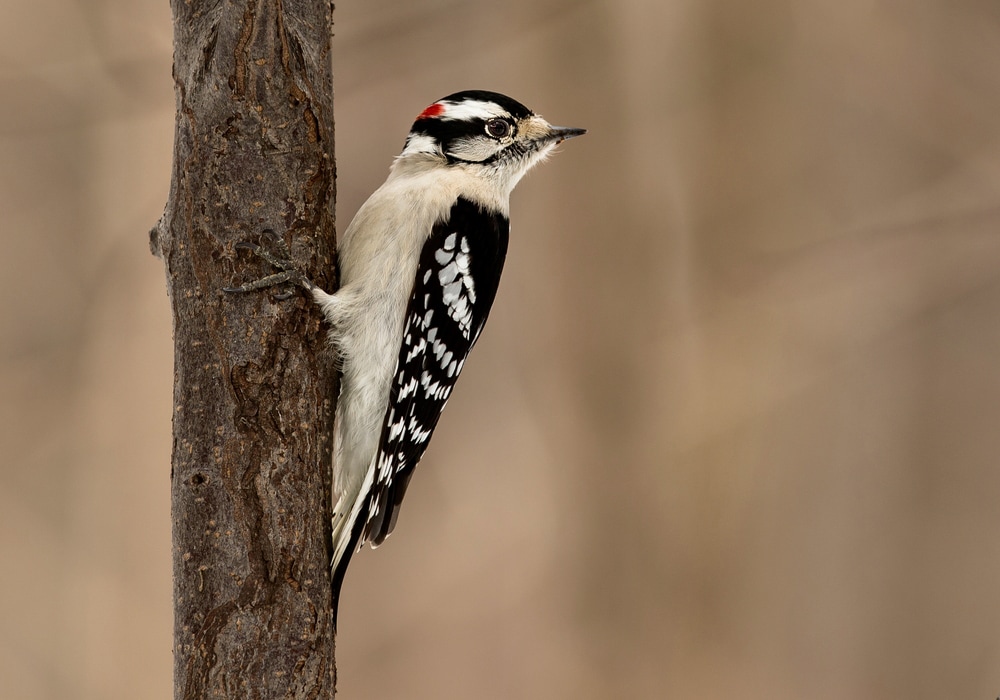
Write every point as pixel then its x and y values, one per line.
pixel 419 266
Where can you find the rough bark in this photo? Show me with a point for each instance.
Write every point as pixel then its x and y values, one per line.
pixel 253 384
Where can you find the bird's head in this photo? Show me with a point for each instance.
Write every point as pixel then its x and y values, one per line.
pixel 485 134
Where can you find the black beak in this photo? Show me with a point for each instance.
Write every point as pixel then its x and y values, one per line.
pixel 561 133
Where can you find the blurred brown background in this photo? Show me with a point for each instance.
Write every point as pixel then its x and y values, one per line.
pixel 733 430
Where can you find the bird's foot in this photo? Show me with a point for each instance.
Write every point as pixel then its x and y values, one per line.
pixel 281 259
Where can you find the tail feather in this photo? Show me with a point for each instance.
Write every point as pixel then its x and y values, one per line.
pixel 340 564
pixel 349 519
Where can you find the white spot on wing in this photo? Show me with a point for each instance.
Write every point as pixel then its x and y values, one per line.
pixel 395 429
pixel 451 295
pixel 416 349
pixel 458 285
pixel 449 272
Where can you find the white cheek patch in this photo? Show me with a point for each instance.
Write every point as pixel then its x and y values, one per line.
pixel 475 150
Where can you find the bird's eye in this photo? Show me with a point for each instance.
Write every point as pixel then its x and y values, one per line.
pixel 498 128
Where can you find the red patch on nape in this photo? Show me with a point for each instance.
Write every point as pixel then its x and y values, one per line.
pixel 435 110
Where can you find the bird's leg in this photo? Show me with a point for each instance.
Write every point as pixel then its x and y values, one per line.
pixel 281 259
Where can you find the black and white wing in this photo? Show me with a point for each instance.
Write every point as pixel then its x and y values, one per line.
pixel 456 282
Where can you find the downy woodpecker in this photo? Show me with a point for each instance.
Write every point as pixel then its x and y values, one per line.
pixel 419 269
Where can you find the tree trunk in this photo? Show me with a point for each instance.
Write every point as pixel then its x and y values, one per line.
pixel 254 387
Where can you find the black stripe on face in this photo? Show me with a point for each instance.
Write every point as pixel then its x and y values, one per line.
pixel 445 131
